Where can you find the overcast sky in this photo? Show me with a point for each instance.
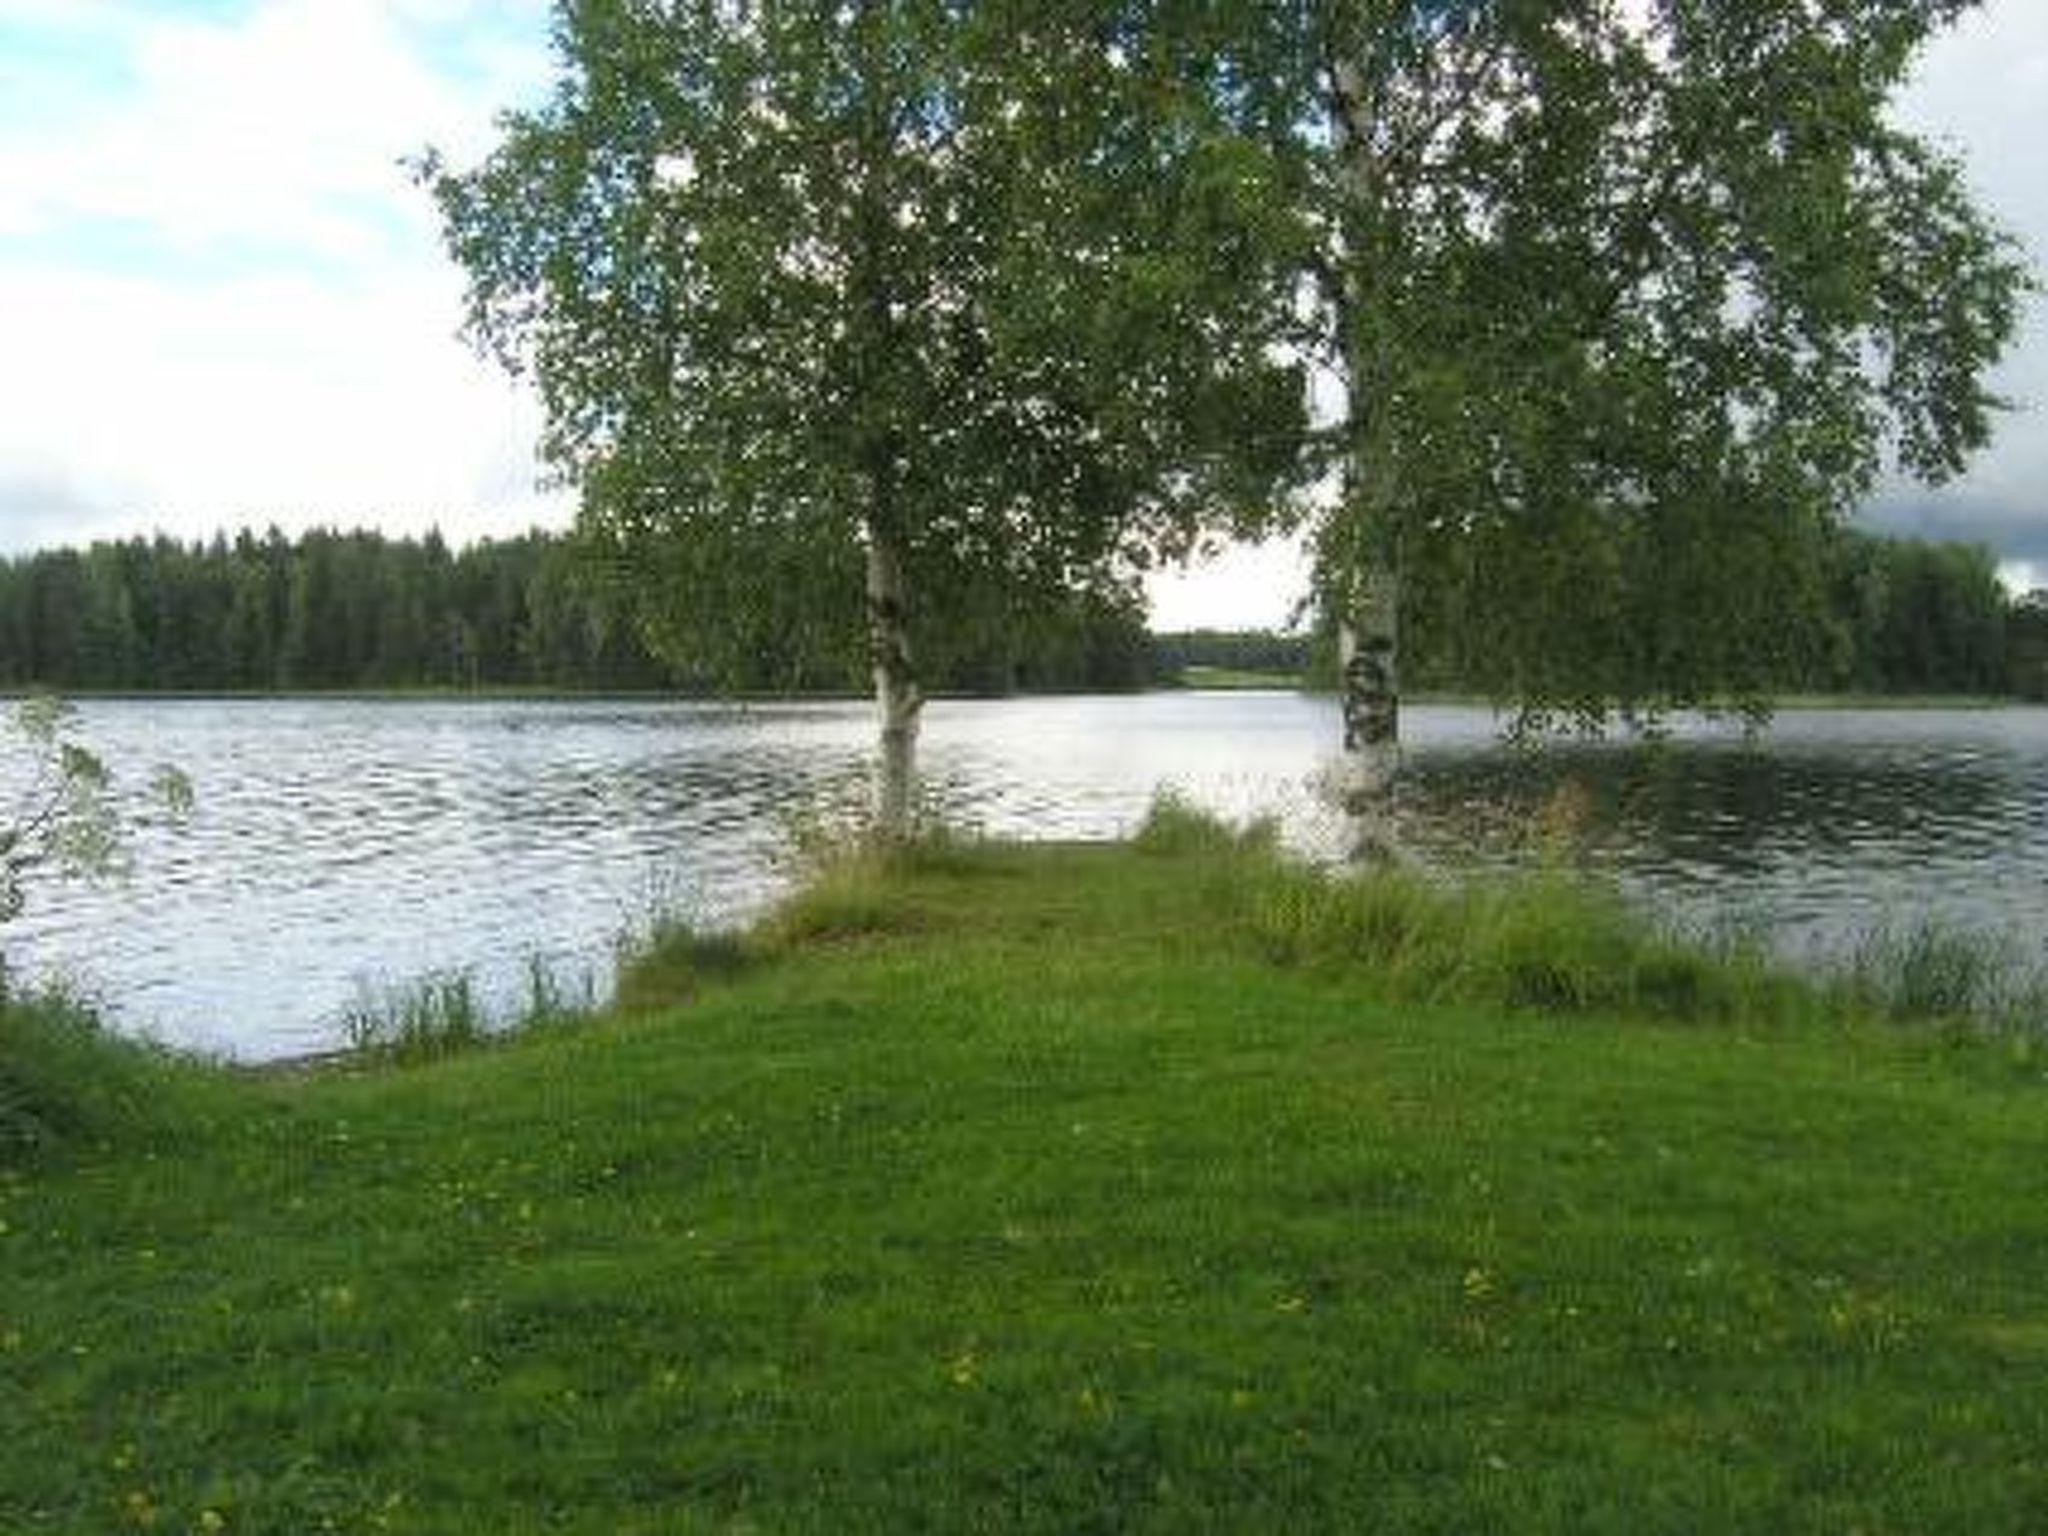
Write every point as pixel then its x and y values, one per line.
pixel 222 302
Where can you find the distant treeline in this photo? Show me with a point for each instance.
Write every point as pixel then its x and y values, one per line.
pixel 1918 616
pixel 327 610
pixel 1899 616
pixel 1231 650
pixel 361 610
pixel 1908 616
pixel 2026 646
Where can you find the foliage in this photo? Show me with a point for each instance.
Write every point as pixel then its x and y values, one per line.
pixel 1241 651
pixel 1895 616
pixel 63 1080
pixel 68 1084
pixel 64 816
pixel 60 1078
pixel 327 609
pixel 2027 646
pixel 1918 617
pixel 982 295
pixel 1003 641
pixel 380 612
pixel 1633 304
pixel 370 611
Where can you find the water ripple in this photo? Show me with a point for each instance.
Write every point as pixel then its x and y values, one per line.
pixel 341 841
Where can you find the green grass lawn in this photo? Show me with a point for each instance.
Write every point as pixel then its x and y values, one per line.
pixel 1062 1190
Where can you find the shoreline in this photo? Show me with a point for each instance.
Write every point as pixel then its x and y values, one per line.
pixel 1217 680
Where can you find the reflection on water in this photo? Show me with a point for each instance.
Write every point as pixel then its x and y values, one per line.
pixel 343 841
pixel 1829 825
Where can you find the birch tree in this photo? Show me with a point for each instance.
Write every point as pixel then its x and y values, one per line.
pixel 1632 301
pixel 839 312
pixel 59 814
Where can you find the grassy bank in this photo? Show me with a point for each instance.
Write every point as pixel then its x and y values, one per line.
pixel 1152 1188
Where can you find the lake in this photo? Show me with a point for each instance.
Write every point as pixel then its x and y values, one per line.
pixel 339 845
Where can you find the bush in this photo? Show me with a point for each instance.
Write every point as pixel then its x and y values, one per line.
pixel 1174 826
pixel 66 1081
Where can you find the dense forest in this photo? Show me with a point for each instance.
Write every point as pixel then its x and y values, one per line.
pixel 1252 651
pixel 2026 646
pixel 361 610
pixel 1917 616
pixel 326 610
pixel 1906 616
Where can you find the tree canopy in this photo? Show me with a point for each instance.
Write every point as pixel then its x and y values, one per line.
pixel 1633 303
pixel 885 305
pixel 846 314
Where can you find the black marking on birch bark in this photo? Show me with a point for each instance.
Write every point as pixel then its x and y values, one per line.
pixel 889 653
pixel 1371 704
pixel 887 644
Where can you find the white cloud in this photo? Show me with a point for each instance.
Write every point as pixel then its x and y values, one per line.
pixel 276 396
pixel 223 299
pixel 282 131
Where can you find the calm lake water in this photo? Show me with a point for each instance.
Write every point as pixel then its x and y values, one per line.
pixel 340 845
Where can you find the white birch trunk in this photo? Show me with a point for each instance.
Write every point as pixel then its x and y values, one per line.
pixel 1368 652
pixel 897 699
pixel 1368 636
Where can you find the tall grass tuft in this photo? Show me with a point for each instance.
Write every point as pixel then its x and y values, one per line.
pixel 435 1016
pixel 552 1003
pixel 1549 940
pixel 818 844
pixel 1926 971
pixel 673 960
pixel 442 1014
pixel 67 1082
pixel 1544 941
pixel 846 886
pixel 1175 826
